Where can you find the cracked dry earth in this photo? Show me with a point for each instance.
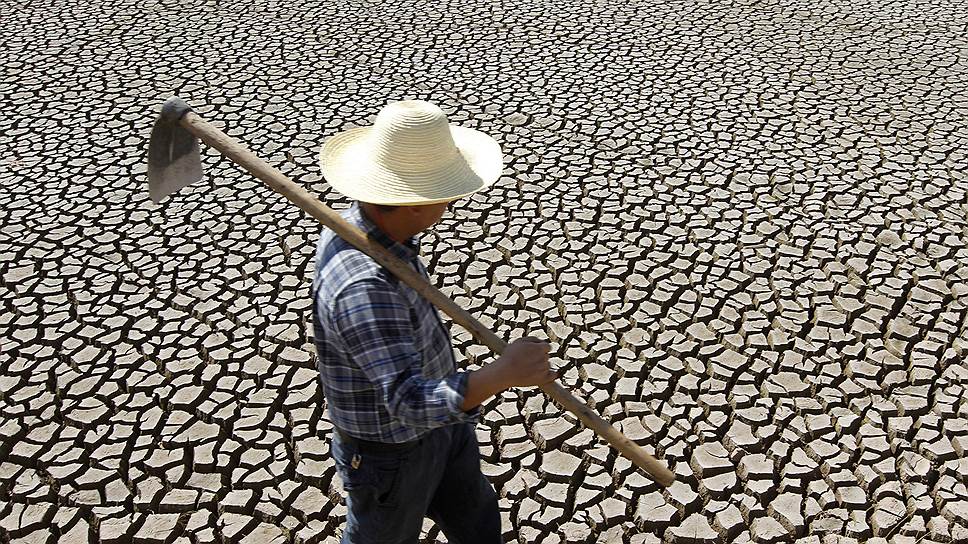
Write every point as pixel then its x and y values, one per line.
pixel 742 224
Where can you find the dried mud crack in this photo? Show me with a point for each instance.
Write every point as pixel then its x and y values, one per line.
pixel 742 225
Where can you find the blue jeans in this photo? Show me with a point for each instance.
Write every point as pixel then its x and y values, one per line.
pixel 388 494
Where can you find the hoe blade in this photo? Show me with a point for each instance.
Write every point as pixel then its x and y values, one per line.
pixel 174 160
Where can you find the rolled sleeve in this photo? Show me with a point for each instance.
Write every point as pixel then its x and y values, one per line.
pixel 377 330
pixel 458 385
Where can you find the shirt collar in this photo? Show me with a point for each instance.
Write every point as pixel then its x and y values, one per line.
pixel 407 251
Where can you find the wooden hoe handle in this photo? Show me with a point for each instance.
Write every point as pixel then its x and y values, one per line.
pixel 299 196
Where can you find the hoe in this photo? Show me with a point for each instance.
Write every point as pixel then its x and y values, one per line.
pixel 174 162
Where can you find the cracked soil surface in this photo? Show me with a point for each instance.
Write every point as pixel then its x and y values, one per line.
pixel 742 224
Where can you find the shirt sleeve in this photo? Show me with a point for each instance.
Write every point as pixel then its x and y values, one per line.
pixel 376 328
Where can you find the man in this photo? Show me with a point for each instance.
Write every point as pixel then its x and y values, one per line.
pixel 404 443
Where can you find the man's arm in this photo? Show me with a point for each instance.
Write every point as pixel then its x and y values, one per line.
pixel 375 325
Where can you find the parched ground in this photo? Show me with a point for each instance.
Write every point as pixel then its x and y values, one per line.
pixel 743 225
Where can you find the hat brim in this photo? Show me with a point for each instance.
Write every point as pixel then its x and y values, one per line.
pixel 347 164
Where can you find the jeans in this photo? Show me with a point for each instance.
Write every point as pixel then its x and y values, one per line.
pixel 388 494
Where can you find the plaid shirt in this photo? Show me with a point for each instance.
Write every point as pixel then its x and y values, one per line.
pixel 386 362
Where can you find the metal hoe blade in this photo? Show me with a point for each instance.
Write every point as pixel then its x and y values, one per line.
pixel 174 160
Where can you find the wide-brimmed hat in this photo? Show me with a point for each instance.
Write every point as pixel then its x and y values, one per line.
pixel 410 156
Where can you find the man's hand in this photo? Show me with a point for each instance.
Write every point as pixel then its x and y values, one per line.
pixel 524 363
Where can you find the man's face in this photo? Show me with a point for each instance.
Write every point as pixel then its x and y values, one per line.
pixel 424 217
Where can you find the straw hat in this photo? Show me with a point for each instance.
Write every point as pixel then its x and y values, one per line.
pixel 410 156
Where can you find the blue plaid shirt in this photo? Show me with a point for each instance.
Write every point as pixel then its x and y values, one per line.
pixel 386 362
